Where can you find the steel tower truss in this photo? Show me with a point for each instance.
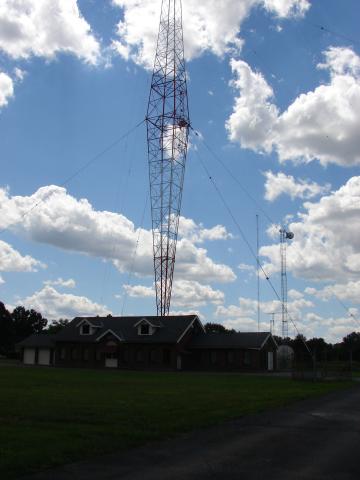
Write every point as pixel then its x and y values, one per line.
pixel 284 236
pixel 168 124
pixel 284 289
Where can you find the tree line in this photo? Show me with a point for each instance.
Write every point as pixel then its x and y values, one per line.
pixel 20 324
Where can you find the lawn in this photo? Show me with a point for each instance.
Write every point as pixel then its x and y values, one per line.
pixel 54 416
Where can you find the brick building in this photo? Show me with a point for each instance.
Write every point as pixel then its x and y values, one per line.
pixel 149 343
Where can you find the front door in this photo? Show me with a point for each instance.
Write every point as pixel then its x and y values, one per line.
pixel 270 361
pixel 111 360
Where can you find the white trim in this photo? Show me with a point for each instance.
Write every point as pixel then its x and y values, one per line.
pixel 109 331
pixel 147 321
pixel 189 326
pixel 266 339
pixel 89 322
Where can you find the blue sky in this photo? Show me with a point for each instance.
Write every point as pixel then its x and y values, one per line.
pixel 274 90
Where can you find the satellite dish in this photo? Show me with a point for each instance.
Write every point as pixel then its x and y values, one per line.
pixel 289 235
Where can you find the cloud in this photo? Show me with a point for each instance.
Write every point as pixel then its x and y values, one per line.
pixel 344 291
pixel 281 184
pixel 139 291
pixel 61 283
pixel 321 125
pixel 326 245
pixel 44 28
pixel 19 74
pixel 65 222
pixel 186 294
pixel 53 304
pixel 2 281
pixel 207 27
pixel 254 114
pixel 12 261
pixel 247 268
pixel 287 8
pixel 295 294
pixel 248 307
pixel 6 89
pixel 243 316
pixel 197 233
pixel 333 329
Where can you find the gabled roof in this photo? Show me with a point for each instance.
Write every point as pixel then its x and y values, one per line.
pixel 154 322
pixel 94 322
pixel 38 340
pixel 247 340
pixel 172 329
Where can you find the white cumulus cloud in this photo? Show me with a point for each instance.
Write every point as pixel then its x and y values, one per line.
pixel 349 291
pixel 6 89
pixel 326 245
pixel 70 283
pixel 208 26
pixel 63 221
pixel 322 124
pixel 54 305
pixel 185 294
pixel 12 261
pixel 277 184
pixel 44 28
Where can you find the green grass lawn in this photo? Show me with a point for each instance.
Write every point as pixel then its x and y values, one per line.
pixel 54 416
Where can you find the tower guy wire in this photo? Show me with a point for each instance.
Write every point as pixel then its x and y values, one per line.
pixel 76 173
pixel 246 241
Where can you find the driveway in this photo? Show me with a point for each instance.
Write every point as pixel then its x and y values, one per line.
pixel 313 439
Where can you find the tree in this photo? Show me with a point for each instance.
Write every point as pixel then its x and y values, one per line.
pixel 7 331
pixel 318 347
pixel 57 325
pixel 351 344
pixel 27 322
pixel 217 328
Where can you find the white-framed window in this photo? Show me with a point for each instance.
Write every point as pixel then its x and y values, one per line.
pixel 85 329
pixel 144 329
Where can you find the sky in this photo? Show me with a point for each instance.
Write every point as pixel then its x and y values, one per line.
pixel 274 96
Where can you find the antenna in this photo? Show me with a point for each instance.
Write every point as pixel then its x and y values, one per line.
pixel 257 271
pixel 284 236
pixel 168 123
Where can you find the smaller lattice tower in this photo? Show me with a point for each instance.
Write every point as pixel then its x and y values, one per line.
pixel 284 236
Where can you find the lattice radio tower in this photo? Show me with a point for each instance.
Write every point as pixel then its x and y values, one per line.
pixel 168 124
pixel 284 236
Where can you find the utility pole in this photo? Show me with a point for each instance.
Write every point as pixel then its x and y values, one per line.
pixel 168 125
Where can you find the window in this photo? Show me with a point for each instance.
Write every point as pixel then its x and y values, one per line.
pixel 139 356
pixel 213 357
pixel 154 356
pixel 62 353
pixel 230 357
pixel 124 355
pixel 85 329
pixel 74 353
pixel 166 356
pixel 98 355
pixel 86 354
pixel 247 358
pixel 110 355
pixel 144 329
